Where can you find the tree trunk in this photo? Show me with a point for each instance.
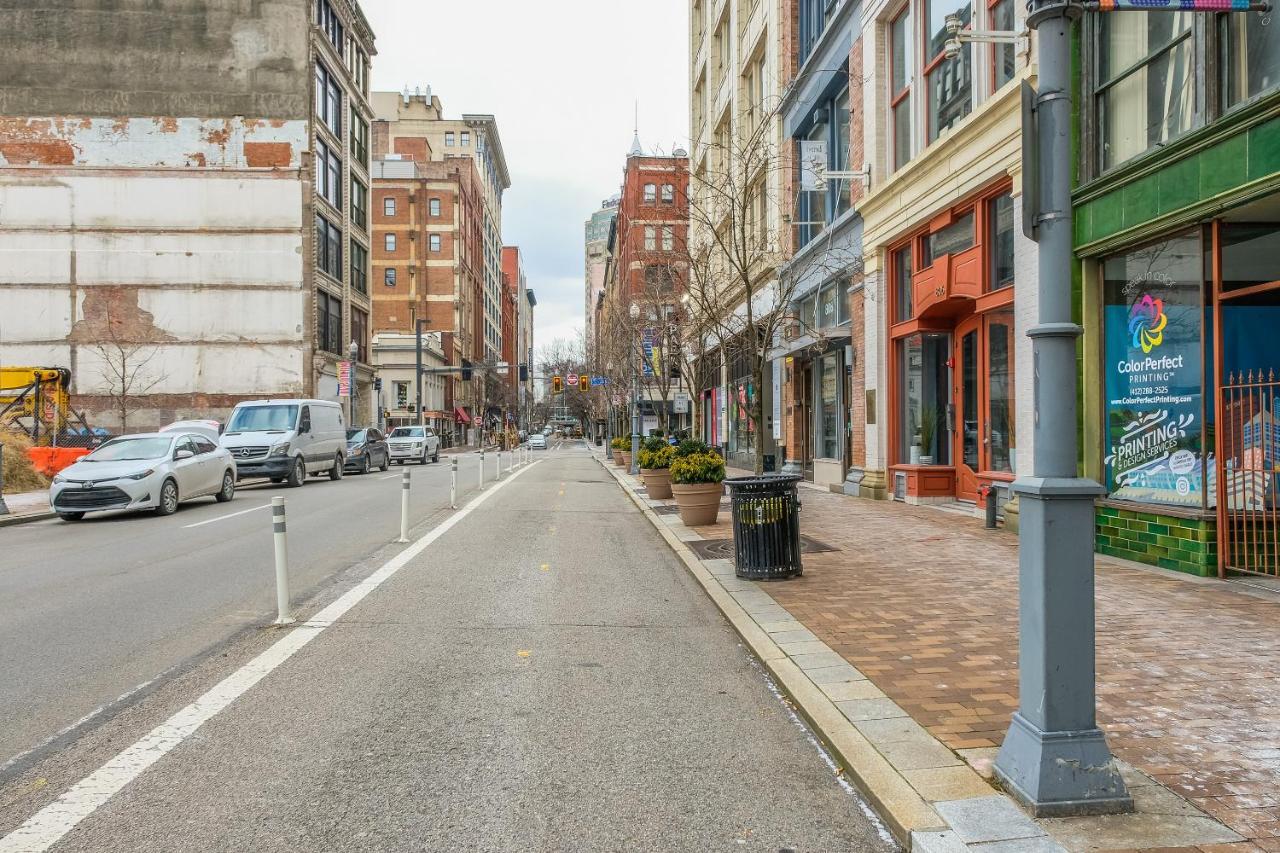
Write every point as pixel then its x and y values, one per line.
pixel 757 412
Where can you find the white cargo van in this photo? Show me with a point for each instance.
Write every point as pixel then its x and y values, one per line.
pixel 287 439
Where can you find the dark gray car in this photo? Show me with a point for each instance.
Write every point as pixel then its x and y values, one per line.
pixel 366 450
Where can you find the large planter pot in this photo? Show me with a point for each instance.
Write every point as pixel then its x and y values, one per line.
pixel 657 481
pixel 617 457
pixel 699 503
pixel 626 459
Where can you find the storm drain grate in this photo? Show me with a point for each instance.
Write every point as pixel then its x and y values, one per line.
pixel 722 549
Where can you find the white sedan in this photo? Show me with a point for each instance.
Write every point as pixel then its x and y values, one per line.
pixel 537 442
pixel 147 471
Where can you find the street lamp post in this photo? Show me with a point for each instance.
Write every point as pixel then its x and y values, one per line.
pixel 1054 758
pixel 352 351
pixel 635 399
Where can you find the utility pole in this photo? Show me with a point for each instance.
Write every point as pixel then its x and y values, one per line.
pixel 1054 758
pixel 417 328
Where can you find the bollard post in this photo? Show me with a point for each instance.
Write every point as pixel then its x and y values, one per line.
pixel 283 616
pixel 453 483
pixel 404 505
pixel 482 467
pixel 511 461
pixel 989 493
pixel 497 465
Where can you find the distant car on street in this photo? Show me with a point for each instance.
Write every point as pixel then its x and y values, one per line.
pixel 409 443
pixel 537 441
pixel 152 471
pixel 367 449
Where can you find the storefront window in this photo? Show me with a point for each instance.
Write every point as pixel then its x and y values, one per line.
pixel 951 240
pixel 1153 314
pixel 1000 394
pixel 1146 82
pixel 827 306
pixel 1250 56
pixel 902 284
pixel 924 396
pixel 1001 218
pixel 828 445
pixel 1249 254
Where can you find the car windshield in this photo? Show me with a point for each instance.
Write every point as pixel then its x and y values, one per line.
pixel 355 435
pixel 263 419
pixel 123 449
pixel 408 432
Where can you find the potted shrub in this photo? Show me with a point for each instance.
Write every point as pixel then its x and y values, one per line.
pixel 655 464
pixel 697 481
pixel 616 446
pixel 928 429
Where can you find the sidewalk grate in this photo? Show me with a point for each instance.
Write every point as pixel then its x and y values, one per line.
pixel 722 549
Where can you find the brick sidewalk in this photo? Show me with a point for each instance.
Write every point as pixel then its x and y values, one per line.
pixel 925 604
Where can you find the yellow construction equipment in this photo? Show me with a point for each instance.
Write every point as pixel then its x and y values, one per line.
pixel 37 401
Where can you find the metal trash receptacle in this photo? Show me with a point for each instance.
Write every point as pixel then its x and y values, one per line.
pixel 766 526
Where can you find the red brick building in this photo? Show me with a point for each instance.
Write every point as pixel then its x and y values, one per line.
pixel 513 286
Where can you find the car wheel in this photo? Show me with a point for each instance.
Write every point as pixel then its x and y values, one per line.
pixel 298 475
pixel 71 516
pixel 386 462
pixel 425 457
pixel 168 498
pixel 335 473
pixel 228 490
pixel 365 466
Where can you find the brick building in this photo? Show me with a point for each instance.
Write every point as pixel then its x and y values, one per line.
pixel 514 285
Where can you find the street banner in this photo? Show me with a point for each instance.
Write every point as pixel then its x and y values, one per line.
pixel 647 342
pixel 344 379
pixel 680 404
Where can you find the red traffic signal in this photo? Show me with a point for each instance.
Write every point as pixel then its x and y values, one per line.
pixel 557 384
pixel 584 382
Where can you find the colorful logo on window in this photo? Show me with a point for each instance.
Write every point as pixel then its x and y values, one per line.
pixel 1146 323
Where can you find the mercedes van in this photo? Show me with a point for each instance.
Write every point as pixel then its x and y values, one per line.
pixel 287 439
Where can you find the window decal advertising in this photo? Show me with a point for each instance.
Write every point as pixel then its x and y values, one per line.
pixel 1153 447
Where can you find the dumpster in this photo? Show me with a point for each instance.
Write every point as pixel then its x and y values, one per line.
pixel 766 526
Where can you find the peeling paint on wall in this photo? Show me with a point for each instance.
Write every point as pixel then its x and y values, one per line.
pixel 164 142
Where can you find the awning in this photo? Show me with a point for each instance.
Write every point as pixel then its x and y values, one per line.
pixel 461 416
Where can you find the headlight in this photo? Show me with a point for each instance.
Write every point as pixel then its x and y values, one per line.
pixel 417 445
pixel 356 451
pixel 280 449
pixel 58 478
pixel 141 475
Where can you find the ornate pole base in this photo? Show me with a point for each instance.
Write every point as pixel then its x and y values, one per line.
pixel 1061 774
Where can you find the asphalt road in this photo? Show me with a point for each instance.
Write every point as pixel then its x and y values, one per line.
pixel 93 612
pixel 544 676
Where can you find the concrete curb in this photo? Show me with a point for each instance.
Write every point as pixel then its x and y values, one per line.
pixel 7 520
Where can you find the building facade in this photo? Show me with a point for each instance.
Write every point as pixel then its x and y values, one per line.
pixel 186 248
pixel 596 252
pixel 395 356
pixel 514 285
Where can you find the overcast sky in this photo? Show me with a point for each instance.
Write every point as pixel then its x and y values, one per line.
pixel 563 78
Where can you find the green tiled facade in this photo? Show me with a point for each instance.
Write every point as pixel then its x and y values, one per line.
pixel 1170 542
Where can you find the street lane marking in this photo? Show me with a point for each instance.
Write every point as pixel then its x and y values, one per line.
pixel 224 517
pixel 546 567
pixel 394 476
pixel 47 826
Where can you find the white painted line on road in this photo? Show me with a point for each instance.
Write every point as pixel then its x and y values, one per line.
pixel 224 517
pixel 391 476
pixel 47 826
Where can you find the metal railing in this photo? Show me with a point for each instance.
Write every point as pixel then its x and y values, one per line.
pixel 1248 460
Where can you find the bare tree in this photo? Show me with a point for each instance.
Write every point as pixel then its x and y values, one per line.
pixel 127 366
pixel 566 358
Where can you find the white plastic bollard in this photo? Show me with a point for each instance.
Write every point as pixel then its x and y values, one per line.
pixel 482 467
pixel 453 483
pixel 511 461
pixel 497 465
pixel 404 505
pixel 283 616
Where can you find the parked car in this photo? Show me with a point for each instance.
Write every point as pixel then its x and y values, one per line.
pixel 414 442
pixel 287 439
pixel 366 449
pixel 210 429
pixel 155 471
pixel 537 441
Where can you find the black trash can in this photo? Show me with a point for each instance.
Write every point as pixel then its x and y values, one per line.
pixel 766 526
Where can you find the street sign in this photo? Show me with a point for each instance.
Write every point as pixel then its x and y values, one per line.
pixel 597 381
pixel 571 379
pixel 680 404
pixel 344 379
pixel 813 162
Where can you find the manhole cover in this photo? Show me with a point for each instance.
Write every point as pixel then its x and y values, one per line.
pixel 722 549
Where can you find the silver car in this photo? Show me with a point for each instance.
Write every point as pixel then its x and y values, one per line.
pixel 147 471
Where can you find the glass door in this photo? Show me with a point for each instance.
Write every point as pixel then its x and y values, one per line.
pixel 969 420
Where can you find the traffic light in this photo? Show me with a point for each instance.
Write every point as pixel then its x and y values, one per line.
pixel 377 383
pixel 584 382
pixel 557 384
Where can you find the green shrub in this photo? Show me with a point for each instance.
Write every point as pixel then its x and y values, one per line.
pixel 653 442
pixel 697 468
pixel 690 446
pixel 620 443
pixel 659 457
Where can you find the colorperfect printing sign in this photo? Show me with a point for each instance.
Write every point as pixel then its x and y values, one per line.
pixel 1153 383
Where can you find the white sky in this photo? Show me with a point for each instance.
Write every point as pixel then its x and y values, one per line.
pixel 563 78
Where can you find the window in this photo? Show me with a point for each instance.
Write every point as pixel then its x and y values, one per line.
pixel 359 204
pixel 829 406
pixel 359 138
pixel 389 206
pixel 650 193
pixel 818 208
pixel 1250 60
pixel 844 291
pixel 434 242
pixel 328 322
pixel 827 300
pixel 389 242
pixel 903 307
pixel 814 17
pixel 924 379
pixel 360 69
pixel 328 99
pixel 650 238
pixel 402 395
pixel 901 72
pixel 360 333
pixel 329 23
pixel 448 139
pixel 1000 218
pixel 949 81
pixel 1003 57
pixel 329 175
pixel 1146 82
pixel 328 248
pixel 389 277
pixel 950 240
pixel 839 154
pixel 434 207
pixel 668 238
pixel 668 193
pixel 359 268
pixel 466 137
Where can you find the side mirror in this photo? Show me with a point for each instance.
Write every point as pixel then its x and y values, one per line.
pixel 182 454
pixel 305 426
